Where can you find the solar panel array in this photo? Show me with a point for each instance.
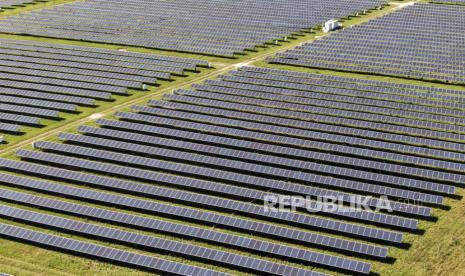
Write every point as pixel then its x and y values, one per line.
pixel 154 243
pixel 44 81
pixel 101 252
pixel 211 155
pixel 459 2
pixel 207 27
pixel 419 41
pixel 11 3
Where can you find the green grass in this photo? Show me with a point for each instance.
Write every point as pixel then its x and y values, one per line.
pixel 440 251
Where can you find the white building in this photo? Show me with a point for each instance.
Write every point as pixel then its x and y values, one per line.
pixel 331 25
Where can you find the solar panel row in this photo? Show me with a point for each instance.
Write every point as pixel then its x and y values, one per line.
pixel 174 247
pixel 204 157
pixel 309 256
pixel 151 66
pixel 214 28
pixel 339 109
pixel 331 182
pixel 272 149
pixel 459 2
pixel 103 252
pixel 83 79
pixel 38 103
pixel 43 80
pixel 154 150
pixel 103 53
pixel 314 121
pixel 169 65
pixel 16 3
pixel 336 116
pixel 187 231
pixel 195 169
pixel 257 131
pixel 344 104
pixel 364 84
pixel 311 222
pixel 329 91
pixel 300 129
pixel 418 41
pixel 215 202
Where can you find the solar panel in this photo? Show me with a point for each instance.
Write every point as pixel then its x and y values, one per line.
pixel 19 119
pixel 75 77
pixel 320 113
pixel 386 86
pixel 212 155
pixel 39 112
pixel 101 252
pixel 63 82
pixel 304 129
pixel 342 103
pixel 195 27
pixel 103 58
pixel 52 97
pixel 86 66
pixel 291 152
pixel 38 103
pixel 415 42
pixel 176 229
pixel 15 3
pixel 174 247
pixel 296 236
pixel 116 54
pixel 338 109
pixel 216 203
pixel 113 76
pixel 39 79
pixel 213 162
pixel 225 149
pixel 9 127
pixel 55 89
pixel 305 221
pixel 81 58
pixel 340 88
pixel 216 124
pixel 235 101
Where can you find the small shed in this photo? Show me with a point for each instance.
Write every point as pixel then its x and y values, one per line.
pixel 331 25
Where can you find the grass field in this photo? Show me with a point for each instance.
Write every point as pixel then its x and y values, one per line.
pixel 439 251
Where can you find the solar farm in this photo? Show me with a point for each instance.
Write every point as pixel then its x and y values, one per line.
pixel 13 3
pixel 7 6
pixel 41 81
pixel 227 29
pixel 456 2
pixel 153 137
pixel 420 41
